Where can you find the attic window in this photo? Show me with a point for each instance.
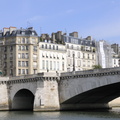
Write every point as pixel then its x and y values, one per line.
pixel 33 33
pixel 23 32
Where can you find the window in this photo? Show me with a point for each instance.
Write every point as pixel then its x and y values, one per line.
pixel 53 47
pixel 46 64
pixel 27 40
pixel 33 41
pixel 67 46
pixel 93 57
pixel 19 63
pixel 23 40
pixel 23 32
pixel 23 55
pixel 88 56
pixel 19 71
pixel 19 41
pixel 114 61
pixel 57 48
pixel 26 56
pixel 26 63
pixel 35 48
pixel 57 65
pixel 19 47
pixel 83 55
pixel 63 66
pixel 68 53
pixel 45 46
pixel 78 55
pixel 26 71
pixel 22 47
pixel 33 33
pixel 11 48
pixel 23 63
pixel 43 64
pixel 11 72
pixel 71 46
pixel 50 65
pixel 35 71
pixel 11 64
pixel 23 71
pixel 26 47
pixel 42 46
pixel 49 46
pixel 19 55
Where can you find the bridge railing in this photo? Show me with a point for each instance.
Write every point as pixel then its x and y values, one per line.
pixel 92 71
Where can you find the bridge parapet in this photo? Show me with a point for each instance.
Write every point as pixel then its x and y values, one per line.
pixel 90 73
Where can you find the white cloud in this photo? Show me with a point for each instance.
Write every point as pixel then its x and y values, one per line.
pixel 37 18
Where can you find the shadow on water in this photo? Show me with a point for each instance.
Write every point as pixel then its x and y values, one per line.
pixel 113 114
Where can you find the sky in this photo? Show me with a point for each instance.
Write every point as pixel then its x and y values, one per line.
pixel 97 18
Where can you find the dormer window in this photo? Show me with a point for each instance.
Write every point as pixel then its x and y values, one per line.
pixel 23 32
pixel 33 33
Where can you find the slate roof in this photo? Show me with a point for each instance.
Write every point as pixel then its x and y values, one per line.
pixel 20 32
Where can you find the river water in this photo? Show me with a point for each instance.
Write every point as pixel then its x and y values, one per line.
pixel 71 115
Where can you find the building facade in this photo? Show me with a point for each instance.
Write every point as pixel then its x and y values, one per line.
pixel 81 53
pixel 18 51
pixel 52 57
pixel 104 54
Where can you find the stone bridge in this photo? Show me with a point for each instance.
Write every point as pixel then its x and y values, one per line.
pixel 91 89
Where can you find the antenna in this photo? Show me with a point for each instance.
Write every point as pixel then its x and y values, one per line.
pixel 40 30
pixel 65 31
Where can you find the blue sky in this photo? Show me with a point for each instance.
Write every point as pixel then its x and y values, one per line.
pixel 98 18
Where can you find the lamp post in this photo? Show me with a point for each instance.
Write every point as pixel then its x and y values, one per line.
pixel 73 62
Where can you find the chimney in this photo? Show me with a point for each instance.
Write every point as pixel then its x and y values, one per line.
pixel 11 29
pixel 5 30
pixel 89 38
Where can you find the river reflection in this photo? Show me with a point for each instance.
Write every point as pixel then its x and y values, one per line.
pixel 71 115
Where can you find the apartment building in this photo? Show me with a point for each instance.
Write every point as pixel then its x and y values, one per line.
pixel 18 49
pixel 81 53
pixel 52 57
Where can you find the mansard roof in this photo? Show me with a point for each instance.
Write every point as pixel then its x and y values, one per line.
pixel 20 32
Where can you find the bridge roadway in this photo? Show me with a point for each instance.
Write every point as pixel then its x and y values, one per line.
pixel 78 90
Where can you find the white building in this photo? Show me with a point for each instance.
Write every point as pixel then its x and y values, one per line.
pixel 115 60
pixel 81 53
pixel 52 57
pixel 104 54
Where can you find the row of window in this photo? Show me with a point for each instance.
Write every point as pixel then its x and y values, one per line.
pixel 22 71
pixel 26 40
pixel 51 65
pixel 22 63
pixel 76 41
pixel 8 48
pixel 23 55
pixel 53 47
pixel 78 55
pixel 82 48
pixel 51 56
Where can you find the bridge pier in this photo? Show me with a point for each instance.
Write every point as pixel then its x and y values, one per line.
pixel 46 96
pixel 84 106
pixel 4 97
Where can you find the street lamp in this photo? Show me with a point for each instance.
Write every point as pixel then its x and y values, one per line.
pixel 73 62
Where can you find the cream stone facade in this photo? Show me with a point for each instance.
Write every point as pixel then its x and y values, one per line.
pixel 18 51
pixel 115 60
pixel 81 53
pixel 52 57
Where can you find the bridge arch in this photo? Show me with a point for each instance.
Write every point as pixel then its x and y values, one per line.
pixel 23 100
